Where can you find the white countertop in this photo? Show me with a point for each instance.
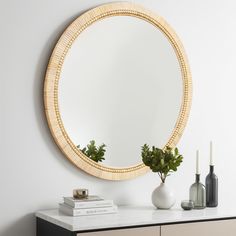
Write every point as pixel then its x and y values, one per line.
pixel 134 216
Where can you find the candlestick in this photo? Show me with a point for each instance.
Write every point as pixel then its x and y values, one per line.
pixel 211 156
pixel 211 184
pixel 197 192
pixel 197 162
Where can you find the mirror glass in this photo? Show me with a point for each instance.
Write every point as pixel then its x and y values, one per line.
pixel 121 85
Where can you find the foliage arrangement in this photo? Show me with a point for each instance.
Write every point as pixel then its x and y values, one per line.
pixel 93 152
pixel 161 161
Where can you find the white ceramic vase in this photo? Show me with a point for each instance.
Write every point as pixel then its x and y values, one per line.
pixel 163 197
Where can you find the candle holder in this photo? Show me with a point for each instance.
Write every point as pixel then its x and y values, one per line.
pixel 211 184
pixel 197 192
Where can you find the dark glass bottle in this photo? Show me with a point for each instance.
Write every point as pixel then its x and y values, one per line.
pixel 197 193
pixel 211 188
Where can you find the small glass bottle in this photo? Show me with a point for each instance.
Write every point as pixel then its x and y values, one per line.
pixel 197 194
pixel 211 188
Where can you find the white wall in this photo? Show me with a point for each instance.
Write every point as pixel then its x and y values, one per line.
pixel 34 174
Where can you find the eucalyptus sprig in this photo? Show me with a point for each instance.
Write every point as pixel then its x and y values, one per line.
pixel 163 161
pixel 94 153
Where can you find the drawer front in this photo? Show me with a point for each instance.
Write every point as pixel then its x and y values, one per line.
pixel 210 228
pixel 144 231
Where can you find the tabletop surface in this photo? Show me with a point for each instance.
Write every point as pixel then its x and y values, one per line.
pixel 129 216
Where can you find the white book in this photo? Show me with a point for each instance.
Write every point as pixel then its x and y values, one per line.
pixel 87 199
pixel 85 212
pixel 81 204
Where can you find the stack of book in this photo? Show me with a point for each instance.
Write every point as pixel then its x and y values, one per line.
pixel 92 205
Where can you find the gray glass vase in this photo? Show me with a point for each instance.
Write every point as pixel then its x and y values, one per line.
pixel 197 194
pixel 211 188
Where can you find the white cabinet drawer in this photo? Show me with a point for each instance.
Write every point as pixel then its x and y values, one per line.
pixel 145 231
pixel 210 228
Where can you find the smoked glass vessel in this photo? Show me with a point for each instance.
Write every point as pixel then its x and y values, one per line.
pixel 211 188
pixel 197 194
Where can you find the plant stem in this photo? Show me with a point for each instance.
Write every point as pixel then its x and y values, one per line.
pixel 162 176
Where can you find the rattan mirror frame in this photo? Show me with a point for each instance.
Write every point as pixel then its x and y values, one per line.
pixel 53 75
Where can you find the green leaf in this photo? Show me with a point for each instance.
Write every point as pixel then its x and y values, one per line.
pixel 176 151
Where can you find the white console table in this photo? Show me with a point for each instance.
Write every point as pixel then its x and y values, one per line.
pixel 139 221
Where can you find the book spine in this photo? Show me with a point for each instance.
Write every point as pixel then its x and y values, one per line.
pixel 95 211
pixel 82 205
pixel 84 212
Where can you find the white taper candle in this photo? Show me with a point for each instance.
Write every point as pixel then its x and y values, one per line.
pixel 197 162
pixel 211 154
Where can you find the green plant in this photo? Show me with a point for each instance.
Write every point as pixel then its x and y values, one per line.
pixel 93 152
pixel 161 161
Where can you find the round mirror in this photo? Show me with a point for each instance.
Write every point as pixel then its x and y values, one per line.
pixel 118 76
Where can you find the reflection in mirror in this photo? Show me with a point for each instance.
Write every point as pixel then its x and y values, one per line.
pixel 120 85
pixel 93 152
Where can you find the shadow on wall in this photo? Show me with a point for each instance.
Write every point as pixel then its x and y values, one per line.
pixel 38 87
pixel 25 226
